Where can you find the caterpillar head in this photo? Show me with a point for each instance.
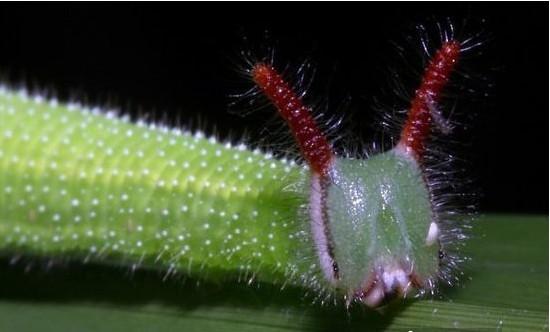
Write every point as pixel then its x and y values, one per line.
pixel 372 220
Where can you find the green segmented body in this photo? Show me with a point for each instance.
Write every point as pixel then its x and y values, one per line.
pixel 88 185
pixel 83 185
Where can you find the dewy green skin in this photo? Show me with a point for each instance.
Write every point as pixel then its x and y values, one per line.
pixel 86 185
pixel 387 207
pixel 77 184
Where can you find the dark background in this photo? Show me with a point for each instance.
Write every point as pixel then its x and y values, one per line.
pixel 176 62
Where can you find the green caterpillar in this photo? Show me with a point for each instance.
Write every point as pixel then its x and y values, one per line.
pixel 86 185
pixel 81 184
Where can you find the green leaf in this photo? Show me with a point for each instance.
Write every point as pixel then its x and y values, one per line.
pixel 506 289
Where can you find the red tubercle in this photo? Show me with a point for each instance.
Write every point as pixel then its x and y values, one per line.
pixel 420 116
pixel 314 146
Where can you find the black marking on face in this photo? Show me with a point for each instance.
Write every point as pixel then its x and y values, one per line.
pixel 319 222
pixel 442 254
pixel 325 183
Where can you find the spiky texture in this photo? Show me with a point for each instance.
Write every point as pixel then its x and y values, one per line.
pixel 83 184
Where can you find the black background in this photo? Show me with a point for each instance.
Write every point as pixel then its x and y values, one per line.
pixel 177 63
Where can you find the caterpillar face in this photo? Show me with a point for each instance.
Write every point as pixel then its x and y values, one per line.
pixel 372 224
pixel 372 221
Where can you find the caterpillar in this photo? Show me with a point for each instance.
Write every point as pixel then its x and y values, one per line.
pixel 82 184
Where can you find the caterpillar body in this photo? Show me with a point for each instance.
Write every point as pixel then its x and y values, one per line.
pixel 82 184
